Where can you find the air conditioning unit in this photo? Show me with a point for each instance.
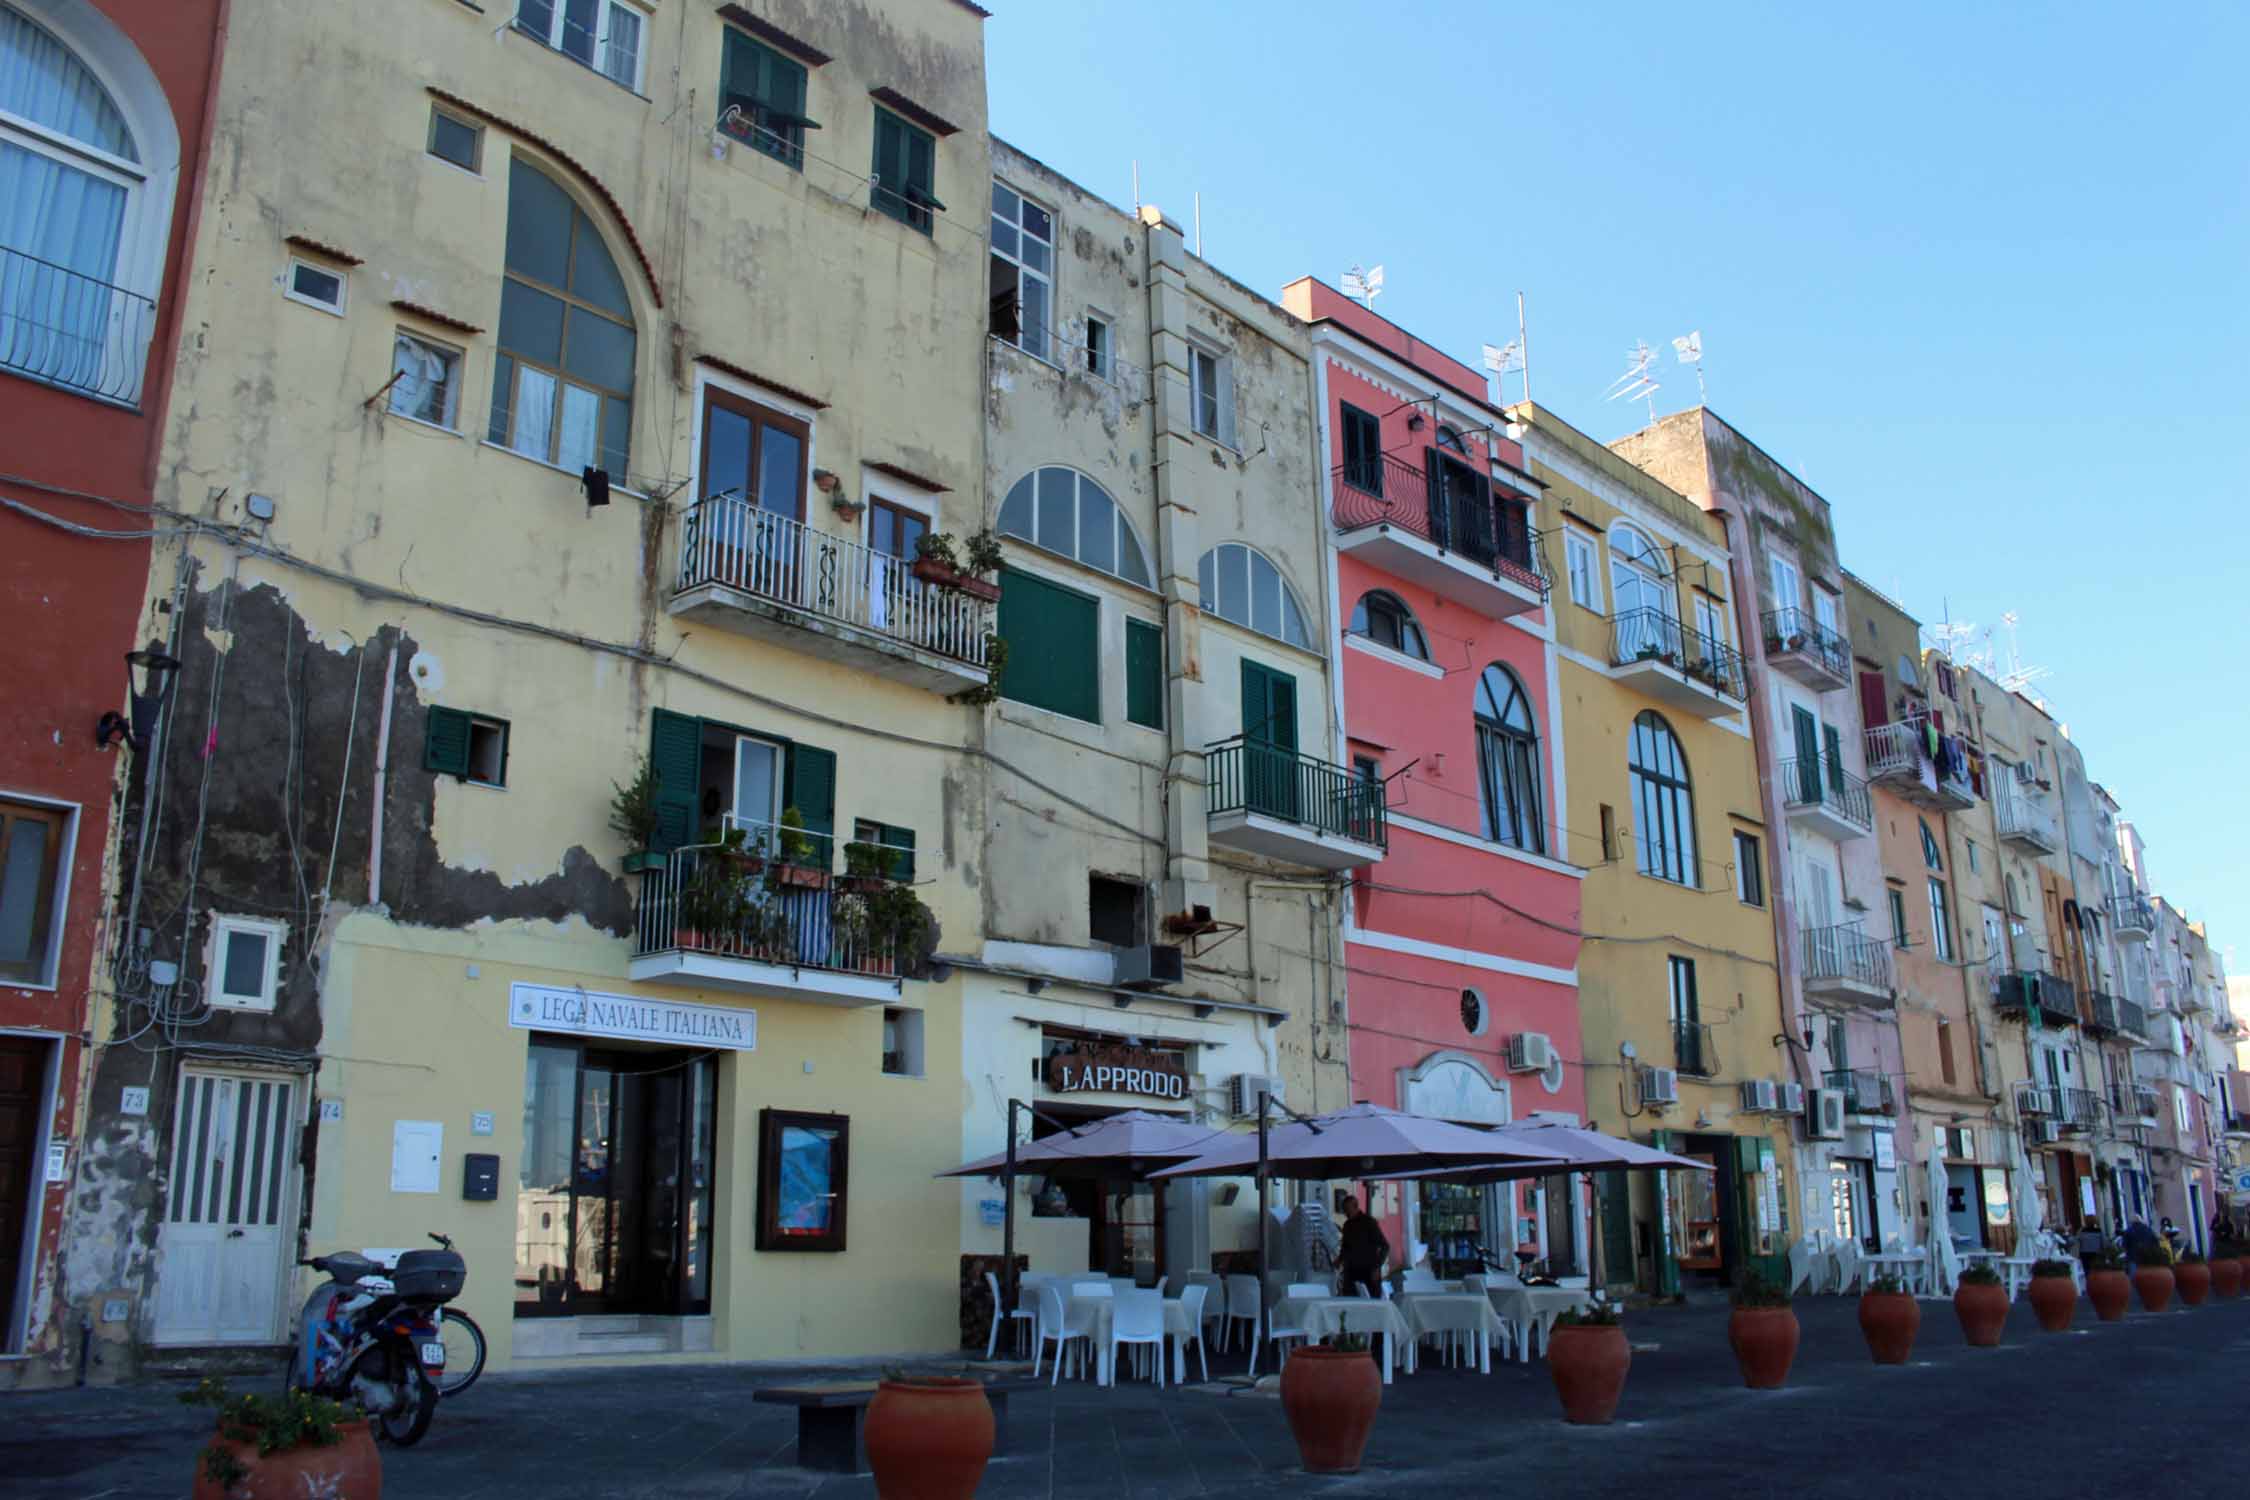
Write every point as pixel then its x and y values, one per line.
pixel 1246 1090
pixel 1789 1098
pixel 1660 1086
pixel 1150 966
pixel 2043 1132
pixel 1758 1095
pixel 1824 1114
pixel 2027 774
pixel 1530 1052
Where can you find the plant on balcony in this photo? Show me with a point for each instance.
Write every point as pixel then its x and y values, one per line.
pixel 1981 1303
pixel 844 505
pixel 866 868
pixel 1889 1318
pixel 935 562
pixel 903 929
pixel 798 850
pixel 982 554
pixel 633 818
pixel 851 929
pixel 987 691
pixel 1762 1331
pixel 712 903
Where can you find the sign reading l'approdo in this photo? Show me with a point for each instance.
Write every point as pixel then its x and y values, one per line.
pixel 1117 1069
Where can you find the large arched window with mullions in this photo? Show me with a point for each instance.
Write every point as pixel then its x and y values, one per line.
pixel 562 387
pixel 1508 762
pixel 1663 802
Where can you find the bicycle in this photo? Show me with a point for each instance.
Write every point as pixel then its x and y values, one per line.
pixel 464 1352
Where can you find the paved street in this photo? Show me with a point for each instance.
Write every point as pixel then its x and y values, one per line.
pixel 2102 1410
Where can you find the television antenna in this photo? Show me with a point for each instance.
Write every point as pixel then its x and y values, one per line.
pixel 1364 286
pixel 2018 676
pixel 1636 384
pixel 1500 360
pixel 1689 347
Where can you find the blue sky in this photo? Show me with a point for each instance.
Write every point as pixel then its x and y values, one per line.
pixel 1976 273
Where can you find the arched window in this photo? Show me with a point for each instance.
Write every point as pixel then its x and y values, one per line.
pixel 1663 802
pixel 562 387
pixel 1449 438
pixel 1638 574
pixel 1384 619
pixel 1508 762
pixel 1064 511
pixel 1241 585
pixel 83 214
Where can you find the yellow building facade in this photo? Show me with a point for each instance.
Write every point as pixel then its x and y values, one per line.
pixel 1678 987
pixel 567 400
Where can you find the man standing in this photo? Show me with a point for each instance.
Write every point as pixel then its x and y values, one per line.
pixel 1362 1251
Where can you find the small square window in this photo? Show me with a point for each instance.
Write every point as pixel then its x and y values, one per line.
pixel 902 1042
pixel 244 964
pixel 469 746
pixel 1209 405
pixel 1367 768
pixel 1097 347
pixel 1114 911
pixel 315 287
pixel 426 380
pixel 488 752
pixel 456 140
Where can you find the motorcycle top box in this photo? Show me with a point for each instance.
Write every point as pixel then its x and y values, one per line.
pixel 429 1276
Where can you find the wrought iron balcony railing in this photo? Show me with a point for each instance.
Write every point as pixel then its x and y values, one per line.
pixel 2101 1013
pixel 727 541
pixel 1823 782
pixel 1692 1052
pixel 1895 750
pixel 2132 1018
pixel 2020 992
pixel 1494 533
pixel 2023 816
pixel 1846 954
pixel 1865 1091
pixel 708 898
pixel 1795 632
pixel 1650 634
pixel 2078 1109
pixel 2132 915
pixel 66 329
pixel 1252 776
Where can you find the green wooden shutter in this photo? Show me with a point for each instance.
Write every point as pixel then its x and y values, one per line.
pixel 1835 744
pixel 1667 1262
pixel 1144 674
pixel 812 791
pixel 1807 788
pixel 901 841
pixel 445 742
pixel 675 751
pixel 1054 644
pixel 1617 1229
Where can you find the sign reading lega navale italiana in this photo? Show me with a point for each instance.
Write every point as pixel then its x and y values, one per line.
pixel 544 1007
pixel 1118 1070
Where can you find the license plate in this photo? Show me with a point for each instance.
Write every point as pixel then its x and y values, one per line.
pixel 433 1354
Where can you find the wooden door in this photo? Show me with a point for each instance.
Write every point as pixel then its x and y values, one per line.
pixel 23 1087
pixel 229 1209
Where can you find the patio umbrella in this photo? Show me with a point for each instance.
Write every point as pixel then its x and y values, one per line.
pixel 2029 1215
pixel 1364 1141
pixel 1119 1145
pixel 1945 1266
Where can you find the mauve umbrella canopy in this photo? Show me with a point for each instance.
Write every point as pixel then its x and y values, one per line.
pixel 1115 1145
pixel 1570 1148
pixel 1365 1140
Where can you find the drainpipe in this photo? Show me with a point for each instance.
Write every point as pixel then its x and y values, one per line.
pixel 382 772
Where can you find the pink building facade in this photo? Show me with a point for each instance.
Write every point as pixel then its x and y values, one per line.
pixel 1462 944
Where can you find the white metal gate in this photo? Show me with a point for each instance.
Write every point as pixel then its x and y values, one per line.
pixel 230 1209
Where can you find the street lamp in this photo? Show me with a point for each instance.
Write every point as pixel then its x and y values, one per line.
pixel 154 673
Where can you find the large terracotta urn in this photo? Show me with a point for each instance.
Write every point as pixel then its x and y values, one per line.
pixel 928 1438
pixel 1764 1340
pixel 2154 1284
pixel 2193 1278
pixel 2110 1291
pixel 1589 1361
pixel 1982 1307
pixel 2226 1276
pixel 1330 1397
pixel 1889 1320
pixel 2055 1300
pixel 348 1469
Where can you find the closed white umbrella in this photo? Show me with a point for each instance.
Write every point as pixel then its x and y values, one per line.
pixel 2029 1216
pixel 1945 1265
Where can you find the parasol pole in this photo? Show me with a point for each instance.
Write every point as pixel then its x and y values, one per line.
pixel 1265 1119
pixel 1008 1218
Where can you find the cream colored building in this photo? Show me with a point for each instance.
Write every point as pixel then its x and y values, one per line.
pixel 1164 860
pixel 565 398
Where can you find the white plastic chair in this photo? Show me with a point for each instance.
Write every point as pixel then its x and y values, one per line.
pixel 1191 1304
pixel 1093 1286
pixel 1800 1266
pixel 1138 1318
pixel 1282 1334
pixel 1847 1259
pixel 1057 1326
pixel 992 1339
pixel 1302 1290
pixel 1244 1302
pixel 1214 1294
pixel 1161 1283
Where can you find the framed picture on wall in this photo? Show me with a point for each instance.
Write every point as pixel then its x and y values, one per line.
pixel 803 1179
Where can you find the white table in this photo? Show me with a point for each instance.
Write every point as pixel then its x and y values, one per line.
pixel 1453 1312
pixel 1098 1310
pixel 1535 1307
pixel 2015 1270
pixel 1321 1317
pixel 1909 1266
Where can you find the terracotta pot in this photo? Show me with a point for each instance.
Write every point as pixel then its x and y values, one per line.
pixel 803 877
pixel 1330 1397
pixel 1589 1362
pixel 2226 1277
pixel 1983 1311
pixel 2109 1291
pixel 2155 1284
pixel 928 1439
pixel 350 1469
pixel 2194 1283
pixel 1764 1340
pixel 2055 1300
pixel 1889 1320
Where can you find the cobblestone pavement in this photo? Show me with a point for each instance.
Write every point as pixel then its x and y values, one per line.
pixel 2102 1410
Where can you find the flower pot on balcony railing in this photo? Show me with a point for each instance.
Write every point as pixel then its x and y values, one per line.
pixel 936 563
pixel 633 818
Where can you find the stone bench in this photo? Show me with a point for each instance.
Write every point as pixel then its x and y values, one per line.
pixel 829 1418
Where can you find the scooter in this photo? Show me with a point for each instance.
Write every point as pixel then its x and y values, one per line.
pixel 370 1335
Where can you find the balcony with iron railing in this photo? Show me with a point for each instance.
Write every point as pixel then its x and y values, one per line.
pixel 66 329
pixel 2023 818
pixel 1469 545
pixel 1822 797
pixel 772 577
pixel 1270 800
pixel 2078 1111
pixel 1843 963
pixel 1692 1050
pixel 2017 993
pixel 1898 760
pixel 745 918
pixel 1677 665
pixel 1865 1091
pixel 2104 1014
pixel 2132 917
pixel 1799 645
pixel 2132 1018
pixel 2145 1103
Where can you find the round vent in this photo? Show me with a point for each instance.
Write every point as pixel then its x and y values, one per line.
pixel 1473 1014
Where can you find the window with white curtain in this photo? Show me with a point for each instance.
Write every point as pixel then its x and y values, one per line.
pixel 428 383
pixel 605 35
pixel 71 174
pixel 562 387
